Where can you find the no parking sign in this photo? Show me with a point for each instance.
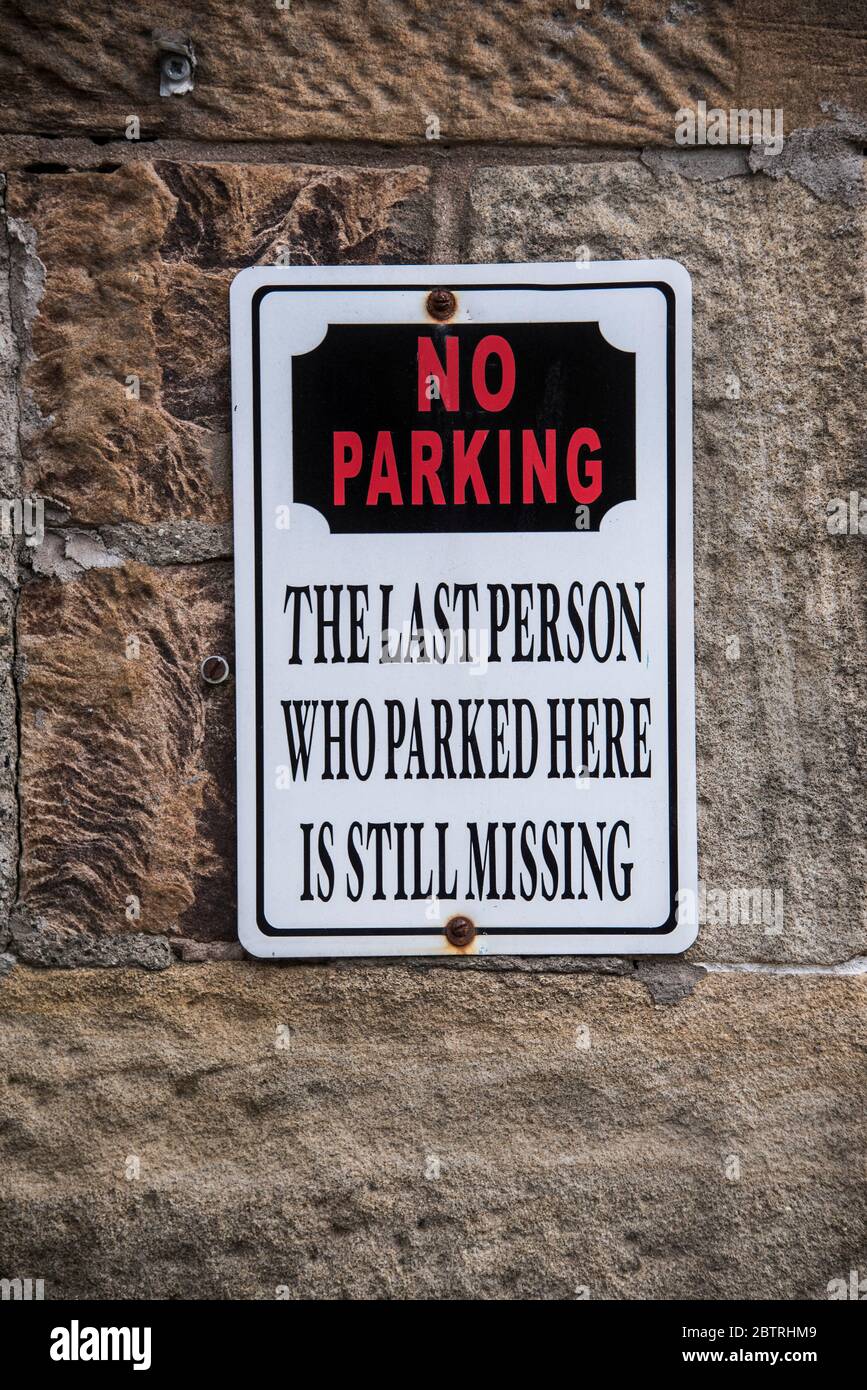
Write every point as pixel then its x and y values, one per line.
pixel 463 530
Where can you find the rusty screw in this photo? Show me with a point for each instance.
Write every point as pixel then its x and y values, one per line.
pixel 460 931
pixel 441 304
pixel 214 670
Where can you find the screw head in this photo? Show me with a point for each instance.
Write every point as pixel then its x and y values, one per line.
pixel 460 931
pixel 441 305
pixel 176 67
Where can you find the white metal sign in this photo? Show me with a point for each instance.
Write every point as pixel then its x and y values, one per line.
pixel 464 609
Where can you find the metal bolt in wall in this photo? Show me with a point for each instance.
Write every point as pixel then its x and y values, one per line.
pixel 214 670
pixel 177 64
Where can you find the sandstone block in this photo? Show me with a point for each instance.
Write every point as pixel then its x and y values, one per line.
pixel 224 1130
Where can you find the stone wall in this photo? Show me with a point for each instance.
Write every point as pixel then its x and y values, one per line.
pixel 177 1121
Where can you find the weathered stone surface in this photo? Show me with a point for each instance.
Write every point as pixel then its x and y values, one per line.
pixel 797 55
pixel 8 748
pixel 66 552
pixel 69 950
pixel 362 1133
pixel 127 771
pixel 202 952
pixel 528 72
pixel 780 622
pixel 180 544
pixel 17 296
pixel 138 265
pixel 828 161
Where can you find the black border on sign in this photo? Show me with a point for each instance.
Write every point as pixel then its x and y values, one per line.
pixel 667 291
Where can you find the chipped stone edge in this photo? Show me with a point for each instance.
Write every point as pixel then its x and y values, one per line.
pixel 32 943
pixel 22 278
pixel 827 160
pixel 68 552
